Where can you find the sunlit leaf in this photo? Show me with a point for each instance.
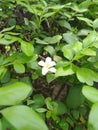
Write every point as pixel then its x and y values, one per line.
pixel 14 93
pixel 93 118
pixel 90 93
pixel 23 118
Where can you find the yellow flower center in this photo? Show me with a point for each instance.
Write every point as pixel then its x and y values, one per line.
pixel 47 65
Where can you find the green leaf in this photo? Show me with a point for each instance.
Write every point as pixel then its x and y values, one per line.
pixel 61 108
pixel 0 125
pixel 14 93
pixel 19 68
pixel 90 93
pixel 77 47
pixel 70 37
pixel 93 118
pixel 4 41
pixel 75 97
pixel 38 100
pixel 95 23
pixel 88 21
pixel 50 50
pixel 50 77
pixel 64 23
pixel 64 125
pixel 88 52
pixel 46 15
pixel 27 48
pixel 8 29
pixel 86 75
pixel 68 52
pixel 90 39
pixel 64 71
pixel 56 7
pixel 40 41
pixel 23 118
pixel 53 40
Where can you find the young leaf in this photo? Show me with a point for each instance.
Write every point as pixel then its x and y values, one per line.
pixel 23 118
pixel 14 93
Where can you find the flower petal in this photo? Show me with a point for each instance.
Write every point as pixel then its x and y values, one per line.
pixel 52 69
pixel 48 59
pixel 41 63
pixel 44 71
pixel 52 63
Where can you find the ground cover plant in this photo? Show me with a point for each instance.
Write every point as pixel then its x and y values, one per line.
pixel 48 65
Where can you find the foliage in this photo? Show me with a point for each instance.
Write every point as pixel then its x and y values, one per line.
pixel 31 31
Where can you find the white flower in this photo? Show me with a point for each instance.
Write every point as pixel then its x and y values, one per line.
pixel 47 66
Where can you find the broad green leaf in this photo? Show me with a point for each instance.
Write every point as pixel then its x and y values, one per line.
pixel 23 118
pixel 6 124
pixel 75 97
pixel 77 47
pixel 83 32
pixel 90 39
pixel 90 93
pixel 86 75
pixel 38 101
pixel 53 40
pixel 64 71
pixel 76 8
pixel 4 41
pixel 14 93
pixel 68 52
pixel 27 48
pixel 88 52
pixel 61 108
pixel 85 4
pixel 70 37
pixel 93 118
pixel 19 68
pixel 50 50
pixel 64 23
